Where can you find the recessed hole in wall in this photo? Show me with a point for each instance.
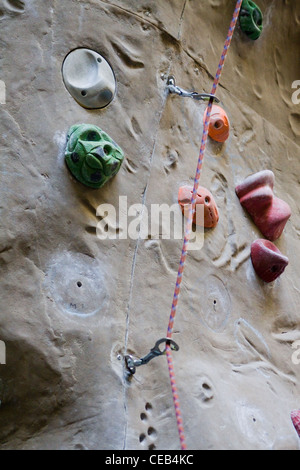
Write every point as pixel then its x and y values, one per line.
pixel 142 437
pixel 215 305
pixel 148 407
pixel 79 284
pixel 143 416
pixel 151 447
pixel 206 386
pixel 151 431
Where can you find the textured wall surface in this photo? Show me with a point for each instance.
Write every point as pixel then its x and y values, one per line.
pixel 63 386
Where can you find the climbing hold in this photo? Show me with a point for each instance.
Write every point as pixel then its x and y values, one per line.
pixel 89 78
pixel 251 19
pixel 268 262
pixel 219 126
pixel 270 214
pixel 295 415
pixel 211 214
pixel 91 155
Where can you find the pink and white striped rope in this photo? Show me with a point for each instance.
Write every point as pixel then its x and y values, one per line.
pixel 190 223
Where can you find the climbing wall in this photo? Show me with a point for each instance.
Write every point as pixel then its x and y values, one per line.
pixel 73 305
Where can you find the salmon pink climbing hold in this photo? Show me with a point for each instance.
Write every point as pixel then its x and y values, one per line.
pixel 268 262
pixel 219 126
pixel 211 213
pixel 269 213
pixel 295 415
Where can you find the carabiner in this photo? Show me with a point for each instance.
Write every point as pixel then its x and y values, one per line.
pixel 132 364
pixel 173 88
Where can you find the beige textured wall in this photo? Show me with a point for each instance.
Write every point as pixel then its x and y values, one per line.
pixel 63 386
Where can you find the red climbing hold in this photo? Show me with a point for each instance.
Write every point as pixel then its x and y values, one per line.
pixel 295 415
pixel 211 213
pixel 268 262
pixel 219 126
pixel 269 213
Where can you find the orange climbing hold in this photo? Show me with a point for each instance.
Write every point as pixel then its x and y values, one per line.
pixel 211 213
pixel 219 126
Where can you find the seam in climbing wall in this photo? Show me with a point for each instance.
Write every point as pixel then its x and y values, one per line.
pixel 164 100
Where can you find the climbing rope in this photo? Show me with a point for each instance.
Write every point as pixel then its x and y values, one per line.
pixel 190 222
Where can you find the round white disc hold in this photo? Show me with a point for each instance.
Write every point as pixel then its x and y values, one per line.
pixel 89 78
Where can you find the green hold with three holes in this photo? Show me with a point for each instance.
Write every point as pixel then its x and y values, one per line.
pixel 92 156
pixel 251 19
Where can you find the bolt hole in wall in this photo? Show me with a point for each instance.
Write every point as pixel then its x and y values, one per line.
pixel 150 433
pixel 148 407
pixel 79 284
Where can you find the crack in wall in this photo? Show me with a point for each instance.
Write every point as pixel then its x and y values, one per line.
pixel 165 31
pixel 181 20
pixel 144 197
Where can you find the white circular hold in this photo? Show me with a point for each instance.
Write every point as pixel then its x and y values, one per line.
pixel 89 78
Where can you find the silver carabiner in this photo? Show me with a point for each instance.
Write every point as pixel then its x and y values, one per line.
pixel 132 364
pixel 173 88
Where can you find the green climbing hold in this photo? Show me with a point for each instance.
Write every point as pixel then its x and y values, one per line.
pixel 92 156
pixel 251 19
